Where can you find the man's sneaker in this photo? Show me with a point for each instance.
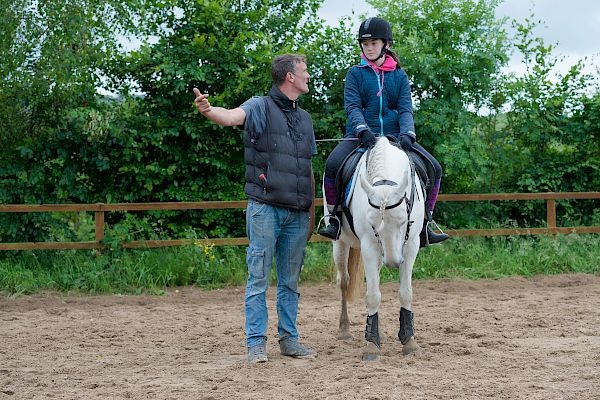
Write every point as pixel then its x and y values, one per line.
pixel 293 348
pixel 257 353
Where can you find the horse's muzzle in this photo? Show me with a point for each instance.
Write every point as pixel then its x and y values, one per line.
pixel 394 264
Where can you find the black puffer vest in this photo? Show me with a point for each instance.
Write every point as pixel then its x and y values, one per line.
pixel 278 166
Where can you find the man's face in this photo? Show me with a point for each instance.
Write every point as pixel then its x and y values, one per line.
pixel 301 77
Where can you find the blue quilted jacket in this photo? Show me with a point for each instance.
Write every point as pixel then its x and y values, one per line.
pixel 390 113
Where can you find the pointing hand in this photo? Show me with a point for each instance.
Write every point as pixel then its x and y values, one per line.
pixel 201 102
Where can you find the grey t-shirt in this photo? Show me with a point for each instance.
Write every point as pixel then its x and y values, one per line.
pixel 256 117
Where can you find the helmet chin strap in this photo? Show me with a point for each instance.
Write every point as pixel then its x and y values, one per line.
pixel 382 54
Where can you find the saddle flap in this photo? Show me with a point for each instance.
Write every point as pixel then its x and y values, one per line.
pixel 424 169
pixel 348 168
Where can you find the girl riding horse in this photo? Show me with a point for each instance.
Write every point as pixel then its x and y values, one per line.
pixel 378 103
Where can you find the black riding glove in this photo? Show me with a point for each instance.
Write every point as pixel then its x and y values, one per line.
pixel 367 139
pixel 406 142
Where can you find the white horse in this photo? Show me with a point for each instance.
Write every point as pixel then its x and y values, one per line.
pixel 387 206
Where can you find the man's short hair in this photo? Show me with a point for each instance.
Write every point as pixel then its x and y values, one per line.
pixel 283 64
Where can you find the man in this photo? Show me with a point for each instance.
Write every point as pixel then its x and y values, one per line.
pixel 279 143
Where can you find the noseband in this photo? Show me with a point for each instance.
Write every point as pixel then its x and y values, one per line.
pixel 390 183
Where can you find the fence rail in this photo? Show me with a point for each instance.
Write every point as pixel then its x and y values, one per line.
pixel 100 209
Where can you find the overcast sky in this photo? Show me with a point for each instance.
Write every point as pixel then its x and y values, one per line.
pixel 574 24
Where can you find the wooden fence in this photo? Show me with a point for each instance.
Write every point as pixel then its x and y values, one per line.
pixel 100 209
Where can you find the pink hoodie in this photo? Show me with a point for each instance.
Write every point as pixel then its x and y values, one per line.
pixel 388 65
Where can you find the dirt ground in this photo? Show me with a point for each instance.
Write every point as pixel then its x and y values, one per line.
pixel 506 339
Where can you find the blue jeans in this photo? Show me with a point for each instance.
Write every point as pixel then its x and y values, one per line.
pixel 281 233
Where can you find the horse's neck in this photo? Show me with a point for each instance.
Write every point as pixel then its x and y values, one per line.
pixel 387 162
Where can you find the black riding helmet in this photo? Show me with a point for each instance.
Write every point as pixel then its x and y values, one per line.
pixel 375 28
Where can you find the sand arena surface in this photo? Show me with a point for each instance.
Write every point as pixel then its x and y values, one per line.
pixel 506 339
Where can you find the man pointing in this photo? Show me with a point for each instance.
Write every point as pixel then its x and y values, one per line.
pixel 278 145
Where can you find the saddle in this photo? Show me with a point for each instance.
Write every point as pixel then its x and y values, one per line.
pixel 423 167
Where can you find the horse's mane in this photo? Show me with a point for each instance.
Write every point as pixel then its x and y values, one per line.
pixel 376 167
pixel 376 161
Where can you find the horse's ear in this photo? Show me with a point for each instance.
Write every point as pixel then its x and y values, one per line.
pixel 366 186
pixel 407 174
pixel 399 195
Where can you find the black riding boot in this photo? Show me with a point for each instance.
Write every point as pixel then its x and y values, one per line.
pixel 434 238
pixel 332 231
pixel 428 236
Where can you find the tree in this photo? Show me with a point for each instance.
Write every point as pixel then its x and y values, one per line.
pixel 453 51
pixel 51 57
pixel 224 48
pixel 539 119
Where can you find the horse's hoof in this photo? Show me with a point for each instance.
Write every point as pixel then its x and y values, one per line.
pixel 345 336
pixel 371 352
pixel 410 347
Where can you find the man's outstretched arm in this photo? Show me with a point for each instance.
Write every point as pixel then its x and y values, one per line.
pixel 218 115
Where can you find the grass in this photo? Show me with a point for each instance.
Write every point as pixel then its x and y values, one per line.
pixel 209 267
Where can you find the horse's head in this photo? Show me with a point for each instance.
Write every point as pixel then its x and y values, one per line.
pixel 388 211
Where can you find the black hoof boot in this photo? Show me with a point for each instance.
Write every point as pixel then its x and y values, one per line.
pixel 407 327
pixel 372 330
pixel 332 231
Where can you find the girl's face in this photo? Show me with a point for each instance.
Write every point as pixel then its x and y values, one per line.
pixel 372 47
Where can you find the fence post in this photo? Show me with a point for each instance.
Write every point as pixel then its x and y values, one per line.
pixel 99 218
pixel 551 215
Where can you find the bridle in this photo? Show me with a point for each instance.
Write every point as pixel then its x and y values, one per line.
pixel 390 183
pixel 409 201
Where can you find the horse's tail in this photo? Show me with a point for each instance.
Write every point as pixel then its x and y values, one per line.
pixel 357 275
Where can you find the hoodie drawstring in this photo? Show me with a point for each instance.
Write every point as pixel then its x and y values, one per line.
pixel 382 80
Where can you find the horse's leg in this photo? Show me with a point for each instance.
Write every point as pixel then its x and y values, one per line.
pixel 372 263
pixel 407 330
pixel 340 257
